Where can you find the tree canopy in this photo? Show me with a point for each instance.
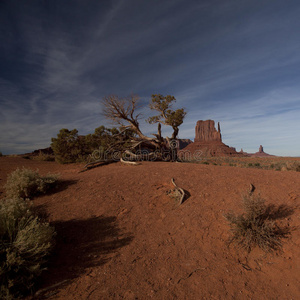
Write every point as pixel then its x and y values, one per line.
pixel 123 111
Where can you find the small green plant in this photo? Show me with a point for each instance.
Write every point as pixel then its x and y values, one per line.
pixel 250 164
pixel 25 242
pixel 257 164
pixel 255 227
pixel 26 183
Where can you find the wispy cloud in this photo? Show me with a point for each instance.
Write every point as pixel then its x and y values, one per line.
pixel 237 64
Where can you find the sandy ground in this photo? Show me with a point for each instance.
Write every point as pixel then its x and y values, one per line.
pixel 119 236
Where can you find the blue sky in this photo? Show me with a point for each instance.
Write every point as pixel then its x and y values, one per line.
pixel 236 62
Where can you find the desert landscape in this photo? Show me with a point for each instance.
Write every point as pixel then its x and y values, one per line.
pixel 120 236
pixel 149 150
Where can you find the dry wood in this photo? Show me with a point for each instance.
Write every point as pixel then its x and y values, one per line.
pixel 180 189
pixel 252 188
pixel 134 163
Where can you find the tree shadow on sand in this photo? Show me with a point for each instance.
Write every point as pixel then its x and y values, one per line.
pixel 61 185
pixel 82 244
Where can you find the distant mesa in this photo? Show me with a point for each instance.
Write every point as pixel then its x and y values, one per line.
pixel 208 140
pixel 260 153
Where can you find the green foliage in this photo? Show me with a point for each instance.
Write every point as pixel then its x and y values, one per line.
pixel 167 116
pixel 26 183
pixel 67 147
pixel 25 242
pixel 254 227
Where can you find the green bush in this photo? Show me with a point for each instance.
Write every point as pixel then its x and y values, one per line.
pixel 25 242
pixel 254 227
pixel 67 147
pixel 26 183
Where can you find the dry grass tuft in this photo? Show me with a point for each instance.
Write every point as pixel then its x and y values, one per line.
pixel 257 226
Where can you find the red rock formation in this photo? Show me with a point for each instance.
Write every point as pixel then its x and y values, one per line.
pixel 260 153
pixel 205 131
pixel 208 142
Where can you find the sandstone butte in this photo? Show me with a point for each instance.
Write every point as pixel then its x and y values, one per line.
pixel 208 142
pixel 260 153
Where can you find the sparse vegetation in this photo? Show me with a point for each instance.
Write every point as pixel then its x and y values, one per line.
pixel 69 147
pixel 266 163
pixel 255 227
pixel 25 242
pixel 43 157
pixel 122 111
pixel 26 183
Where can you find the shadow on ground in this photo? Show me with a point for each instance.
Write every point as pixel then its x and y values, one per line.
pixel 61 185
pixel 282 211
pixel 82 244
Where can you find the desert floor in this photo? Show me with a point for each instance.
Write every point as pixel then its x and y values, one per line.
pixel 120 236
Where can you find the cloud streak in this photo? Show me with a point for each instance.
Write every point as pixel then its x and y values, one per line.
pixel 234 63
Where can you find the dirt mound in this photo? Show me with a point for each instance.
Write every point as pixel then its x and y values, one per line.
pixel 120 236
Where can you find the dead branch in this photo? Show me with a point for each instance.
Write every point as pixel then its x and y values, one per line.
pixel 139 156
pixel 121 110
pixel 180 189
pixel 128 162
pixel 252 188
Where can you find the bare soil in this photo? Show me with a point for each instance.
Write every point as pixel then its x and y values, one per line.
pixel 120 236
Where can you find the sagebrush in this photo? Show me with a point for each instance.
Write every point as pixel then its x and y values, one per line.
pixel 255 227
pixel 25 242
pixel 26 183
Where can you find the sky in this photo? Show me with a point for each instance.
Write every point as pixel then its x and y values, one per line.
pixel 235 62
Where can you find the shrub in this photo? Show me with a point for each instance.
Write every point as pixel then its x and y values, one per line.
pixel 67 146
pixel 26 183
pixel 254 227
pixel 25 242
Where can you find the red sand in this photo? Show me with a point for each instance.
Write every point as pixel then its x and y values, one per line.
pixel 119 236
